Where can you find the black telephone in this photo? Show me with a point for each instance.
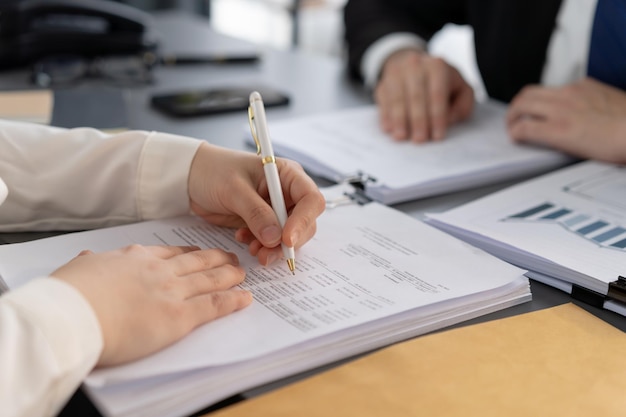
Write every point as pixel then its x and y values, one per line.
pixel 32 29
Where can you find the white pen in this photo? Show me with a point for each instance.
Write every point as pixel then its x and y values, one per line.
pixel 261 136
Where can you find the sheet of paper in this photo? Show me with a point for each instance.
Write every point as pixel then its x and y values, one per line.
pixel 347 142
pixel 371 276
pixel 569 225
pixel 369 272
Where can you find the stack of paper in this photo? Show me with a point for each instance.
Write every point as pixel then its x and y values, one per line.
pixel 567 227
pixel 350 143
pixel 372 276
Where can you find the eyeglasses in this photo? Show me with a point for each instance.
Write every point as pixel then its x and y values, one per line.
pixel 65 70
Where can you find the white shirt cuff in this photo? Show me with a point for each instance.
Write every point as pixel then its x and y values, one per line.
pixel 376 55
pixel 163 175
pixel 51 340
pixel 65 319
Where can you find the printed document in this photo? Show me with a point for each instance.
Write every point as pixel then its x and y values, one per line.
pixel 569 225
pixel 370 277
pixel 349 143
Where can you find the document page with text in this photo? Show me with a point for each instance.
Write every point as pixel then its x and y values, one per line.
pixel 371 276
pixel 569 225
pixel 350 142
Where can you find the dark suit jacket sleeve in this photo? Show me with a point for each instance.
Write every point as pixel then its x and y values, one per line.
pixel 369 20
pixel 511 39
pixel 511 36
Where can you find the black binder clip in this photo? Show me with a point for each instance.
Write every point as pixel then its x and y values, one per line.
pixel 617 289
pixel 358 196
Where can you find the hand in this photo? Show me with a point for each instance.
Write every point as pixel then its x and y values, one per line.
pixel 586 119
pixel 419 96
pixel 228 188
pixel 147 297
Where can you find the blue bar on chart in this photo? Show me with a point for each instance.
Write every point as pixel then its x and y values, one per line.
pixel 610 234
pixel 620 244
pixel 575 220
pixel 532 211
pixel 604 233
pixel 592 227
pixel 556 214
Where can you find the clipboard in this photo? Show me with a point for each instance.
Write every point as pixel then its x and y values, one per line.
pixel 346 143
pixel 567 228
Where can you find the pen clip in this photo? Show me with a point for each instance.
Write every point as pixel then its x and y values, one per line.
pixel 253 129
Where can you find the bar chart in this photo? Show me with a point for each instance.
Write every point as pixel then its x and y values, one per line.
pixel 603 232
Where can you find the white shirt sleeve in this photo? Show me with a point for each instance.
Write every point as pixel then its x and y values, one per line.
pixel 566 58
pixel 49 341
pixel 568 50
pixel 61 179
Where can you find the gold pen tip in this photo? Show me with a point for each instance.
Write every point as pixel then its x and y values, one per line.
pixel 292 265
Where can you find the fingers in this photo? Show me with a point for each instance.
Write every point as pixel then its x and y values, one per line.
pixel 548 117
pixel 462 98
pixel 207 307
pixel 401 97
pixel 266 256
pixel 305 201
pixel 415 101
pixel 539 115
pixel 259 216
pixel 450 97
pixel 241 199
pixel 584 119
pixel 200 260
pixel 438 98
pixel 532 101
pixel 220 278
pixel 560 136
pixel 244 235
pixel 537 130
pixel 302 198
pixel 302 222
pixel 211 291
pixel 167 252
pixel 416 95
pixel 392 107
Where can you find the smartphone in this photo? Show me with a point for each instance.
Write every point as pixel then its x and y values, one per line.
pixel 215 101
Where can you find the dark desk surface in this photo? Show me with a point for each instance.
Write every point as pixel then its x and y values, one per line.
pixel 315 84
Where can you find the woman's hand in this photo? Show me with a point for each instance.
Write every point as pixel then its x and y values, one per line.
pixel 148 297
pixel 228 188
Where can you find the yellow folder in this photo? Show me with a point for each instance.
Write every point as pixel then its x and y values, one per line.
pixel 560 361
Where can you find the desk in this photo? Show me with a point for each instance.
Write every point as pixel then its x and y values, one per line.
pixel 315 84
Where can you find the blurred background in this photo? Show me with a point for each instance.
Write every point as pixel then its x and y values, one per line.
pixel 313 26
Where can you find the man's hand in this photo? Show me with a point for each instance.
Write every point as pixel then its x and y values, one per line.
pixel 419 96
pixel 586 119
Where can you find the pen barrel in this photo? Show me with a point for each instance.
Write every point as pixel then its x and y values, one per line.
pixel 278 202
pixel 259 130
pixel 276 193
